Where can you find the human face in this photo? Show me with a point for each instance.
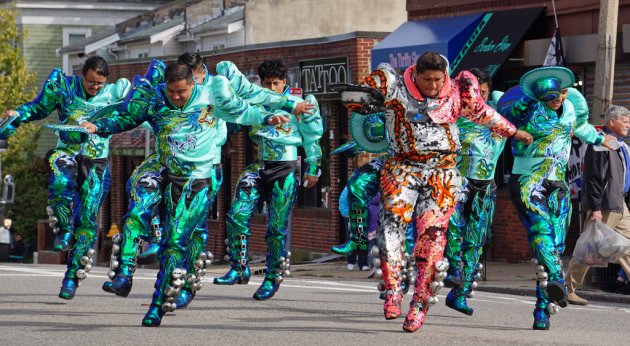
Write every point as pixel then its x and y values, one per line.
pixel 179 92
pixel 619 127
pixel 200 75
pixel 430 82
pixel 484 89
pixel 274 83
pixel 92 82
pixel 556 103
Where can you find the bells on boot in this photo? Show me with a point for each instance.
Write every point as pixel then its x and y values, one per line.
pixel 62 238
pixel 239 272
pixel 271 284
pixel 193 280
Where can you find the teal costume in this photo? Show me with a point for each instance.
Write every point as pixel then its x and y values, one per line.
pixel 79 179
pixel 538 187
pixel 470 223
pixel 274 178
pixel 186 137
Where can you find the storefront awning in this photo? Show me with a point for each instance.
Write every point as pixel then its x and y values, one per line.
pixel 494 39
pixel 483 40
pixel 446 36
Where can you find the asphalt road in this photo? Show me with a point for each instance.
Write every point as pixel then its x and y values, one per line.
pixel 306 311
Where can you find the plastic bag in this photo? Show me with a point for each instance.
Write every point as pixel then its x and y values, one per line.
pixel 599 245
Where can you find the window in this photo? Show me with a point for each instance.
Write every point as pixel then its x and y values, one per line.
pixel 71 36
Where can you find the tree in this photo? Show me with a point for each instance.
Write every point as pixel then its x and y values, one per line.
pixel 28 170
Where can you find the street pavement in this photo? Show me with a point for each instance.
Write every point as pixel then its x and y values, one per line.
pixel 321 304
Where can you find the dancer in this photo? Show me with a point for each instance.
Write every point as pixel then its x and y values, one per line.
pixel 186 117
pixel 470 222
pixel 145 188
pixel 274 178
pixel 420 178
pixel 80 177
pixel 545 105
pixel 369 135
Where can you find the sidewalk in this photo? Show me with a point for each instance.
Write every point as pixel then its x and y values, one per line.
pixel 508 278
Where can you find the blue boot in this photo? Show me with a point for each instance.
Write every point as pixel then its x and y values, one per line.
pixel 457 301
pixel 541 319
pixel 120 285
pixel 153 318
pixel 557 292
pixel 453 278
pixel 234 276
pixel 68 288
pixel 184 299
pixel 267 289
pixel 149 256
pixel 62 241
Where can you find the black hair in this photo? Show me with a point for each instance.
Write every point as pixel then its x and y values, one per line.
pixel 194 60
pixel 482 76
pixel 97 64
pixel 273 68
pixel 432 61
pixel 177 71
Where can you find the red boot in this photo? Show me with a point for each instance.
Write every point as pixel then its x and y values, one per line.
pixel 415 317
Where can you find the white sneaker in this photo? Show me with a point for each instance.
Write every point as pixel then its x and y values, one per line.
pixel 365 268
pixel 350 266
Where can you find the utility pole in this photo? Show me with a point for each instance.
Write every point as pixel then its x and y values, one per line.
pixel 605 60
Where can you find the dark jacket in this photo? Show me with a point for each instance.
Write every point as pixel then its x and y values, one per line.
pixel 603 180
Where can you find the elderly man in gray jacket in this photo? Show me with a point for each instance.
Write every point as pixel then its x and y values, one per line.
pixel 605 186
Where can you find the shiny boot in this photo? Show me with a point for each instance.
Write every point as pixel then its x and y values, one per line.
pixel 68 288
pixel 393 292
pixel 557 292
pixel 268 288
pixel 184 299
pixel 358 240
pixel 150 255
pixel 415 317
pixel 62 241
pixel 457 301
pixel 239 272
pixel 541 319
pixel 121 285
pixel 236 275
pixel 453 278
pixel 153 318
pixel 392 306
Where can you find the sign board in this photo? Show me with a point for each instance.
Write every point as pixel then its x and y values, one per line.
pixel 297 92
pixel 494 39
pixel 316 76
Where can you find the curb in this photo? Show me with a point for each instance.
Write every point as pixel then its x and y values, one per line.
pixel 598 297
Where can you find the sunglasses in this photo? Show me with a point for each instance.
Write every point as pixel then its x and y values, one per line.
pixel 93 83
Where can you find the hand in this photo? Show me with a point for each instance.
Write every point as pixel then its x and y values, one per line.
pixel 524 137
pixel 304 107
pixel 607 141
pixel 9 113
pixel 596 216
pixel 89 126
pixel 310 181
pixel 277 119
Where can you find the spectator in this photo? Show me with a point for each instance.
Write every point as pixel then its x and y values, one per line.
pixel 18 247
pixel 5 240
pixel 606 182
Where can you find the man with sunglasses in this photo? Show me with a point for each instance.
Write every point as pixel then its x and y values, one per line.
pixel 80 176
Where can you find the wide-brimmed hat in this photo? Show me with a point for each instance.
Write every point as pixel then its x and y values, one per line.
pixel 70 134
pixel 546 83
pixel 369 131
